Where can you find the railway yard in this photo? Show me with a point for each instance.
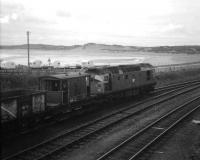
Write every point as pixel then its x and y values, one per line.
pixel 145 128
pixel 100 80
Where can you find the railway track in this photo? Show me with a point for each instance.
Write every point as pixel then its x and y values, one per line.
pixel 74 136
pixel 136 145
pixel 171 86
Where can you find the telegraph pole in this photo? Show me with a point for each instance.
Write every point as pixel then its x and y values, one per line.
pixel 28 48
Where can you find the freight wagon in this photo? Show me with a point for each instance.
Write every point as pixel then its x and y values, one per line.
pixel 20 107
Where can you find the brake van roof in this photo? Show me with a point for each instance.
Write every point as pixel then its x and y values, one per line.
pixel 63 76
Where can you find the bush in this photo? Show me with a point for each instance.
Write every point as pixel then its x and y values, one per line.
pixel 22 81
pixel 177 76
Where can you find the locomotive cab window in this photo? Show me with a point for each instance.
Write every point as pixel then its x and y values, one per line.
pixel 148 75
pixel 107 88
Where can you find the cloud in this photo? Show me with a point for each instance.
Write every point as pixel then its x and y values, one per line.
pixel 63 14
pixel 112 21
pixel 9 8
pixel 172 28
pixel 14 16
pixel 4 19
pixel 10 12
pixel 7 18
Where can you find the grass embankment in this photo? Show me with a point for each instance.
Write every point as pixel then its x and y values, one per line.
pixel 166 78
pixel 30 81
pixel 21 81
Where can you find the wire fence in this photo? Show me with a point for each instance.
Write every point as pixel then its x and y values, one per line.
pixel 47 71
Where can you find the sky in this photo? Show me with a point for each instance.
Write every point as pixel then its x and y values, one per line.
pixel 124 22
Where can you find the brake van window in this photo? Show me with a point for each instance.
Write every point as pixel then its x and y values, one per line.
pixel 148 75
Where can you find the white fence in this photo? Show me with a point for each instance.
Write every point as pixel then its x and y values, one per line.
pixel 177 67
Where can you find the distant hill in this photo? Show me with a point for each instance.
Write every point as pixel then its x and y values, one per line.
pixel 176 49
pixel 39 47
pixel 195 49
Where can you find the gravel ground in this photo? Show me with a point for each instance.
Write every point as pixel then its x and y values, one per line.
pixel 96 146
pixel 184 144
